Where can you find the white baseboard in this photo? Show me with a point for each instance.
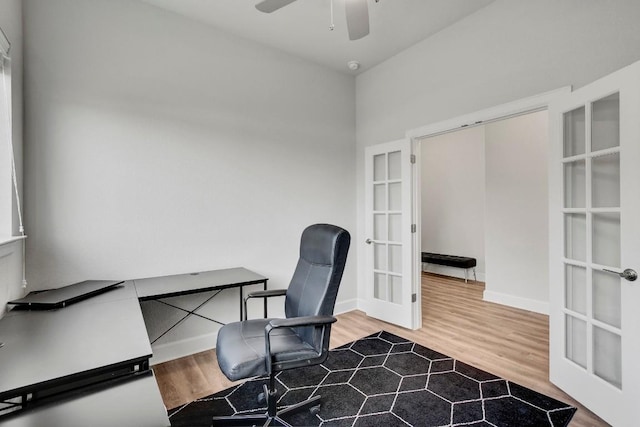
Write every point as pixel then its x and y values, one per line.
pixel 174 350
pixel 362 305
pixel 345 306
pixel 536 306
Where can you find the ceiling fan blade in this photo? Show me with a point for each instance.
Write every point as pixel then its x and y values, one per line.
pixel 268 6
pixel 357 18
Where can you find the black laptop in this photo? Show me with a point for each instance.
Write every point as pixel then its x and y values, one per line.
pixel 61 297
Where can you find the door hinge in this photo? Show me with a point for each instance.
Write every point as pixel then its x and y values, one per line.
pixel 413 159
pixel 413 228
pixel 414 297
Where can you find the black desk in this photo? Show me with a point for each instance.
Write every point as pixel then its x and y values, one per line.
pixel 154 288
pixel 133 403
pixel 157 288
pixel 47 352
pixel 56 359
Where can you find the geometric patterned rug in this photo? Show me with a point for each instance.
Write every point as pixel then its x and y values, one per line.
pixel 386 380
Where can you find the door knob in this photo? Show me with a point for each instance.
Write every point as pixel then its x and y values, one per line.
pixel 627 274
pixel 368 241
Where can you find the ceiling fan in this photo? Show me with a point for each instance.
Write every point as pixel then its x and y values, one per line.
pixel 357 13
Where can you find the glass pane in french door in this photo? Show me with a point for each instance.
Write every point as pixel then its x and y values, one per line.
pixel 575 236
pixel 605 123
pixel 574 132
pixel 607 357
pixel 387 214
pixel 592 227
pixel 605 237
pixel 605 180
pixel 606 298
pixel 575 181
pixel 576 340
pixel 576 289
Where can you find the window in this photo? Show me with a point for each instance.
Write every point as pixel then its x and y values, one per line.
pixel 8 179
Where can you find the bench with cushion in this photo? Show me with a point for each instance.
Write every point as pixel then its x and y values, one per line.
pixel 451 261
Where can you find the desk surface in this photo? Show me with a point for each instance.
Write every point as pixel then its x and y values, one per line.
pixel 135 403
pixel 42 346
pixel 183 284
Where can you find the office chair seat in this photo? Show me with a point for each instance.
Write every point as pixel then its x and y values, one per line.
pixel 244 350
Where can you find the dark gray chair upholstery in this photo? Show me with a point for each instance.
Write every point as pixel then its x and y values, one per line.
pixel 259 347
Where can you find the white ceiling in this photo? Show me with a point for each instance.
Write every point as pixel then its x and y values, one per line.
pixel 302 28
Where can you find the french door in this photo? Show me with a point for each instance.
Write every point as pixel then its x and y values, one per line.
pixel 388 249
pixel 595 245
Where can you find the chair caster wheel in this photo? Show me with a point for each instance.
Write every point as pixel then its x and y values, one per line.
pixel 261 398
pixel 314 409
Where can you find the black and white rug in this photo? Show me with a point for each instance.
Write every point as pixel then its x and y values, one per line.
pixel 385 380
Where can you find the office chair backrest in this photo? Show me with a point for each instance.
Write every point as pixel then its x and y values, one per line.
pixel 315 282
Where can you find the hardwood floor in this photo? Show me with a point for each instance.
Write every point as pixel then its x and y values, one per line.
pixel 507 342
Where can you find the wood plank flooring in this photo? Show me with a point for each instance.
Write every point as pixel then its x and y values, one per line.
pixel 507 342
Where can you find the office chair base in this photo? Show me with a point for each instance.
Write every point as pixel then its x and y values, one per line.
pixel 267 419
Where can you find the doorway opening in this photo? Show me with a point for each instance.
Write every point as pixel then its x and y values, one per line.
pixel 483 195
pixel 484 118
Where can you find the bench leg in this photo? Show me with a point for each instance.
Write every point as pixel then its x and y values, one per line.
pixel 474 275
pixel 465 274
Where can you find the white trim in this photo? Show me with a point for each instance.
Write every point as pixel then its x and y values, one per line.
pixel 5 46
pixel 5 240
pixel 499 112
pixel 416 237
pixel 517 302
pixel 186 347
pixel 346 306
pixel 7 248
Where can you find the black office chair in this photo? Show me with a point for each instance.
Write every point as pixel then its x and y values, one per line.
pixel 253 348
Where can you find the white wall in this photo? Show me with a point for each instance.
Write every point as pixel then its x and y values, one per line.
pixel 506 51
pixel 452 197
pixel 11 254
pixel 516 225
pixel 158 145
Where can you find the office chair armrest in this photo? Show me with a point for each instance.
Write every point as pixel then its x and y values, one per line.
pixel 266 294
pixel 292 322
pixel 263 294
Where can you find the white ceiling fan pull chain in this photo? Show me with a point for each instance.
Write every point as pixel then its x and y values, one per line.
pixel 331 25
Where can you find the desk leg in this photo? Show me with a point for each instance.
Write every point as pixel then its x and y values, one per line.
pixel 241 301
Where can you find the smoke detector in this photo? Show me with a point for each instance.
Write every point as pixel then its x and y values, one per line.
pixel 353 65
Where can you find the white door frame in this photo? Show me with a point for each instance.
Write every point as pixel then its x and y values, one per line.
pixel 504 111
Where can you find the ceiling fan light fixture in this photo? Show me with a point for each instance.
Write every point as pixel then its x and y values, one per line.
pixel 353 65
pixel 357 14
